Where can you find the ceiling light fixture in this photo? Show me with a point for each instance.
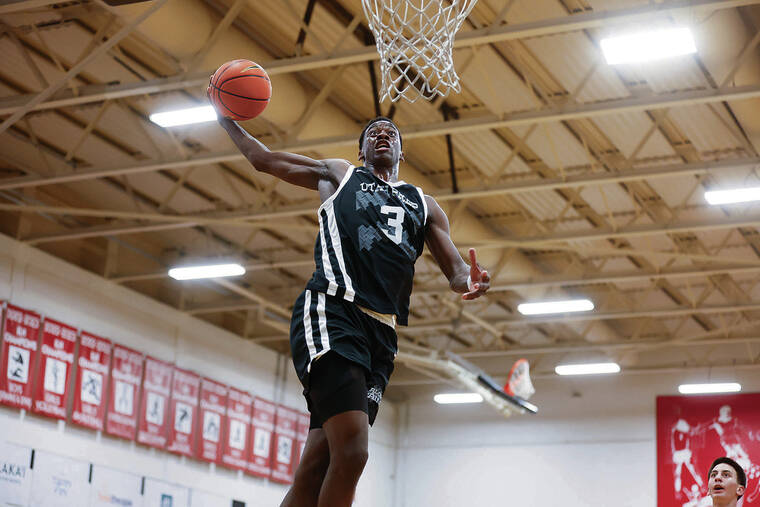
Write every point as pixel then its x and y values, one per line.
pixel 207 271
pixel 184 116
pixel 726 387
pixel 449 398
pixel 587 369
pixel 648 46
pixel 733 196
pixel 571 305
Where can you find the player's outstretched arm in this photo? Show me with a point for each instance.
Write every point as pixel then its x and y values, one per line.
pixel 471 281
pixel 291 167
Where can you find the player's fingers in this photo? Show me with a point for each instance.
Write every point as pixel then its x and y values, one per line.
pixel 473 261
pixel 484 276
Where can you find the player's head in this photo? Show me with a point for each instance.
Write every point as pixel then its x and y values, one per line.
pixel 726 480
pixel 380 141
pixel 724 413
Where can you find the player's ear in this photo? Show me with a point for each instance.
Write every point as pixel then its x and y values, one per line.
pixel 361 154
pixel 740 490
pixel 401 157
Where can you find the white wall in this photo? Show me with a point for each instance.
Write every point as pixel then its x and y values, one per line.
pixel 37 281
pixel 595 450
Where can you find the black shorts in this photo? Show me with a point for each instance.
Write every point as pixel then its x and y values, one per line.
pixel 343 357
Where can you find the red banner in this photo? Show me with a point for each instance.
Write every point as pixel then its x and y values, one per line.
pixel 236 429
pixel 285 424
pixel 154 419
pixel 694 430
pixel 213 405
pixel 182 411
pixel 262 428
pixel 92 379
pixel 19 355
pixel 52 386
pixel 302 433
pixel 126 373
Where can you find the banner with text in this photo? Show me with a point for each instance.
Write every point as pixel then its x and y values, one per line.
pixel 52 386
pixel 182 411
pixel 59 481
pixel 302 433
pixel 285 424
pixel 237 428
pixel 262 428
pixel 15 474
pixel 213 405
pixel 92 381
pixel 126 373
pixel 20 335
pixel 153 420
pixel 114 488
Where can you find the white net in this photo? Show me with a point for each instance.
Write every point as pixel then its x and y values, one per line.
pixel 415 39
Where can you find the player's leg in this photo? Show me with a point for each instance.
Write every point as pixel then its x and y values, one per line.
pixel 338 393
pixel 347 434
pixel 310 472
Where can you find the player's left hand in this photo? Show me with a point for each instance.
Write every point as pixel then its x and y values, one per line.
pixel 479 279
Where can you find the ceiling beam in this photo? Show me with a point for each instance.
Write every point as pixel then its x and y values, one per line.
pixel 486 35
pixel 23 5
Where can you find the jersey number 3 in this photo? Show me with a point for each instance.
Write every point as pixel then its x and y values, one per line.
pixel 395 222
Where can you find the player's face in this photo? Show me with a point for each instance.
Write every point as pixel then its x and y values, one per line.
pixel 382 144
pixel 723 484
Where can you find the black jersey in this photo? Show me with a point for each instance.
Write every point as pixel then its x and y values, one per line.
pixel 370 234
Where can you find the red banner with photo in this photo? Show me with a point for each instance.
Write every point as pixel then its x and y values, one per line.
pixel 213 405
pixel 236 429
pixel 262 429
pixel 183 430
pixel 56 358
pixel 21 330
pixel 126 374
pixel 694 430
pixel 154 417
pixel 92 381
pixel 283 446
pixel 302 433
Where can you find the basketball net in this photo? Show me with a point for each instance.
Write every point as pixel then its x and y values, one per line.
pixel 415 39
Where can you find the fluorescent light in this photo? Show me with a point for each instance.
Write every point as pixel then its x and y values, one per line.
pixel 446 398
pixel 571 305
pixel 647 46
pixel 587 369
pixel 715 197
pixel 209 271
pixel 728 387
pixel 184 116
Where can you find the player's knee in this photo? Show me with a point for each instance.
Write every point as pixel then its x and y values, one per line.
pixel 312 471
pixel 350 457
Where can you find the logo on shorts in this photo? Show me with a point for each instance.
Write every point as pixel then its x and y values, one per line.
pixel 375 394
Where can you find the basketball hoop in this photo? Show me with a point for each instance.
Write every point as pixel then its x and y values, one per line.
pixel 415 39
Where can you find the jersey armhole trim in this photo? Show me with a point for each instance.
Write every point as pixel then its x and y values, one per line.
pixel 343 182
pixel 424 205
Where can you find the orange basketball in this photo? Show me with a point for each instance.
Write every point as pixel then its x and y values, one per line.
pixel 240 90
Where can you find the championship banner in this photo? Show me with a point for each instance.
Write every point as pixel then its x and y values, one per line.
pixel 59 481
pixel 114 488
pixel 20 335
pixel 126 373
pixel 15 474
pixel 213 405
pixel 163 494
pixel 262 427
pixel 92 379
pixel 153 420
pixel 236 429
pixel 56 358
pixel 285 424
pixel 302 433
pixel 694 430
pixel 182 412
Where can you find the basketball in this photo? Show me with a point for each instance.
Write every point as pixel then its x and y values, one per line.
pixel 240 90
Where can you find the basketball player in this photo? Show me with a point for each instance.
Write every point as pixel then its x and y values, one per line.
pixel 726 482
pixel 372 228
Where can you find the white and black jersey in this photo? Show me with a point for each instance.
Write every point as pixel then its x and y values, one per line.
pixel 371 232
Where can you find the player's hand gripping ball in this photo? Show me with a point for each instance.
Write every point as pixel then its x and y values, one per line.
pixel 240 90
